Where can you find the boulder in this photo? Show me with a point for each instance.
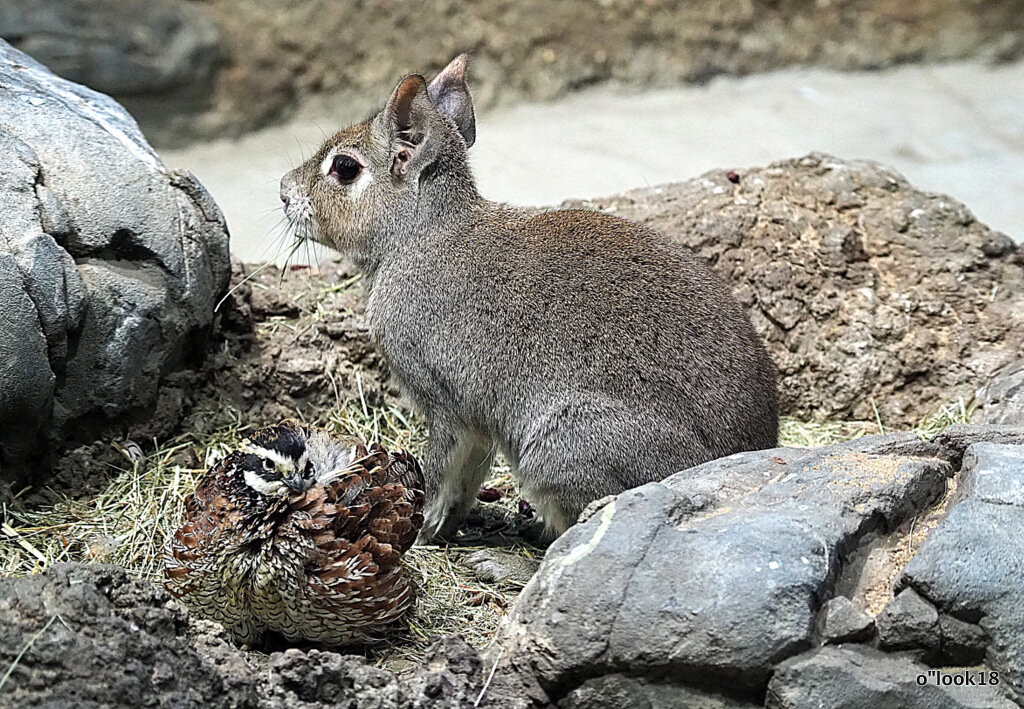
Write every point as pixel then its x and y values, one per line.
pixel 853 677
pixel 1002 399
pixel 971 566
pixel 908 621
pixel 713 578
pixel 841 621
pixel 110 265
pixel 870 294
pixel 121 47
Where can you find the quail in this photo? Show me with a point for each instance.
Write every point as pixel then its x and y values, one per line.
pixel 300 534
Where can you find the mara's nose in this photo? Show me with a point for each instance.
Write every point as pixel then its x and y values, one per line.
pixel 287 188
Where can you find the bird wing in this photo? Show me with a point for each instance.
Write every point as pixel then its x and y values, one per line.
pixel 210 512
pixel 362 523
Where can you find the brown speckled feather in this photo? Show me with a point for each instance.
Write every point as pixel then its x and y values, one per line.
pixel 319 565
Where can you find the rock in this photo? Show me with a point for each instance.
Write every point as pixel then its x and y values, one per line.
pixel 866 290
pixel 616 691
pixel 712 575
pixel 496 566
pixel 857 677
pixel 109 265
pixel 908 622
pixel 970 567
pixel 710 581
pixel 449 678
pixel 121 47
pixel 841 621
pixel 963 644
pixel 1002 399
pixel 90 635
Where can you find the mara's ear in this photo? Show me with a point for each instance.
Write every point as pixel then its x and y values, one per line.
pixel 450 95
pixel 408 116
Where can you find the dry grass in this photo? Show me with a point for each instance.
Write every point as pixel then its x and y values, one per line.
pixel 130 520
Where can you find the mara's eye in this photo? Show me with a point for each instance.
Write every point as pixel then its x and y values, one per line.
pixel 345 168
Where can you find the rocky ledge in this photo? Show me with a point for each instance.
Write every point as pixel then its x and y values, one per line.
pixel 882 572
pixel 768 578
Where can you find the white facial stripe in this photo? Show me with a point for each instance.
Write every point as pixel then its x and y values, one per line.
pixel 283 463
pixel 264 487
pixel 325 166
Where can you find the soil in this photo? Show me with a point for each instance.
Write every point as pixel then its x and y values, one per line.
pixel 285 344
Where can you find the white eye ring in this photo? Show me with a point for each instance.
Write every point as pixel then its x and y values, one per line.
pixel 328 161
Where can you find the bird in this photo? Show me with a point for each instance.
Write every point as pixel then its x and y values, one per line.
pixel 300 535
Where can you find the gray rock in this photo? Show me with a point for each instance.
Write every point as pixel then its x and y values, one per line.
pixel 110 265
pixel 963 644
pixel 496 566
pixel 713 575
pixel 115 46
pixel 617 691
pixel 1002 399
pixel 841 621
pixel 971 565
pixel 90 635
pixel 908 622
pixel 94 637
pixel 858 677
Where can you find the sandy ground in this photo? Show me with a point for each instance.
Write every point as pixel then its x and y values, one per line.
pixel 956 128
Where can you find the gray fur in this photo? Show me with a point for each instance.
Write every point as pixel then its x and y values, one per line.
pixel 596 354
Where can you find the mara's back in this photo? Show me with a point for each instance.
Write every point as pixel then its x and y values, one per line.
pixel 533 308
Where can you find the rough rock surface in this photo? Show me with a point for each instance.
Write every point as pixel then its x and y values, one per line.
pixel 91 636
pixel 1002 399
pixel 908 621
pixel 841 621
pixel 868 292
pixel 971 566
pixel 274 53
pixel 854 677
pixel 110 265
pixel 716 575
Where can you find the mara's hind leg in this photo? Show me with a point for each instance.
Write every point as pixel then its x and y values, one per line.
pixel 456 463
pixel 585 449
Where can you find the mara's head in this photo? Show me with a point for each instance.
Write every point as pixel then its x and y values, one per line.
pixel 371 180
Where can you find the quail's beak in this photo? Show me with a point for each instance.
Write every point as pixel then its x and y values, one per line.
pixel 294 483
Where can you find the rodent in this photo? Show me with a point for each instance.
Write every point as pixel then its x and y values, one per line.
pixel 597 354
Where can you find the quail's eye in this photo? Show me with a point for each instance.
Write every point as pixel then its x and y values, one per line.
pixel 268 464
pixel 345 168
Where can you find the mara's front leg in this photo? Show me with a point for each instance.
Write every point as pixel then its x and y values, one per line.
pixel 456 463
